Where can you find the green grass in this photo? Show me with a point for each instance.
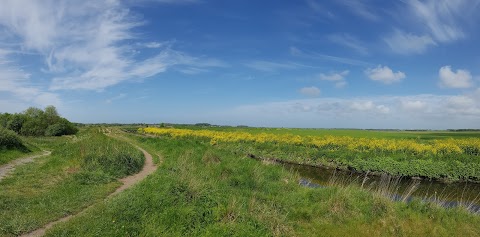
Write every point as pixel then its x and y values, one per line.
pixel 204 190
pixel 81 170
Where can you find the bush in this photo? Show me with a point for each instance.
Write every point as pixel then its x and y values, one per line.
pixel 9 139
pixel 64 127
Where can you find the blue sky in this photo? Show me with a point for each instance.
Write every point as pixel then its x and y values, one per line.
pixel 343 64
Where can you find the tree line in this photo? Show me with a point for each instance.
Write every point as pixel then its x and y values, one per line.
pixel 37 122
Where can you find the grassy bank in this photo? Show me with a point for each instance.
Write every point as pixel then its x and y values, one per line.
pixel 81 170
pixel 204 190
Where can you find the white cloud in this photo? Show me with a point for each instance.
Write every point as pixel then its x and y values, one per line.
pixel 360 8
pixel 338 78
pixel 414 111
pixel 310 91
pixel 413 105
pixel 87 44
pixel 459 79
pixel 17 83
pixel 384 74
pixel 348 41
pixel 443 18
pixel 407 43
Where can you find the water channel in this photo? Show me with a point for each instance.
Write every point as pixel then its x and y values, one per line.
pixel 454 194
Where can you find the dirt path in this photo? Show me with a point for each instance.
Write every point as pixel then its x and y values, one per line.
pixel 6 169
pixel 148 168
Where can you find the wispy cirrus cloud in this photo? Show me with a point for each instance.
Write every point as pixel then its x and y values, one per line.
pixel 362 8
pixel 442 17
pixel 17 83
pixel 348 41
pixel 271 66
pixel 434 22
pixel 87 44
pixel 294 51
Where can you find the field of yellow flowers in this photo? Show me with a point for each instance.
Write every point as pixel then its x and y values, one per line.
pixel 467 146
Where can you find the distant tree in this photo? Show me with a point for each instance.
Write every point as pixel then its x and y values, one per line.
pixel 36 122
pixel 51 115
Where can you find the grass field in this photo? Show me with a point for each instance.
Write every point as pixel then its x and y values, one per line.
pixel 431 155
pixel 204 190
pixel 81 170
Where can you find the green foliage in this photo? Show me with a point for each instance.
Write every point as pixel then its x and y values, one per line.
pixel 37 122
pixel 61 127
pixel 9 140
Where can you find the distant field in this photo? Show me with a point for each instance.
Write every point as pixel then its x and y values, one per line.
pixel 346 132
pixel 444 155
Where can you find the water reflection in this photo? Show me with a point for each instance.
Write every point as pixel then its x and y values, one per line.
pixel 399 189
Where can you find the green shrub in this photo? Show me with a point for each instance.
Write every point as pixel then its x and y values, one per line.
pixel 63 127
pixel 9 139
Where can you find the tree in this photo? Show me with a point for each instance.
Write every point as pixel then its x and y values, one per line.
pixel 36 122
pixel 16 122
pixel 51 115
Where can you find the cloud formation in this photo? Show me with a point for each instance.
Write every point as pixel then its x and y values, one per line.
pixel 348 41
pixel 407 43
pixel 451 79
pixel 310 91
pixel 384 74
pixel 337 77
pixel 404 112
pixel 87 44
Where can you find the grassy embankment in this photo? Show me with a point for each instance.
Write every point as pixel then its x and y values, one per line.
pixel 450 156
pixel 81 170
pixel 205 190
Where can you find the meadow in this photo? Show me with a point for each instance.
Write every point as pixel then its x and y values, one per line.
pixel 206 184
pixel 413 154
pixel 205 190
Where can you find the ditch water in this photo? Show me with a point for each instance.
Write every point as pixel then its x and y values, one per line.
pixel 465 194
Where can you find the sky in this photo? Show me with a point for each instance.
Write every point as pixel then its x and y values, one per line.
pixel 406 64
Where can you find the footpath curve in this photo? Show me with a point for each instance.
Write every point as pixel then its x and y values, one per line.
pixel 148 168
